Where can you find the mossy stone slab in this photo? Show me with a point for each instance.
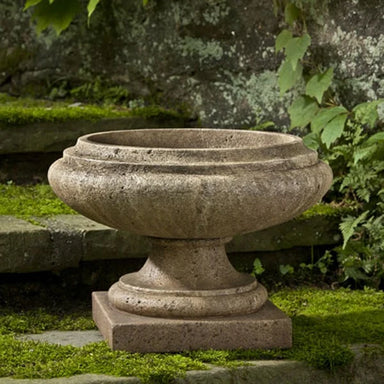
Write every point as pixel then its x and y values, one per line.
pixel 54 137
pixel 317 230
pixel 25 247
pixel 97 241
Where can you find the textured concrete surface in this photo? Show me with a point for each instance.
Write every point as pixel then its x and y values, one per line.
pixel 267 328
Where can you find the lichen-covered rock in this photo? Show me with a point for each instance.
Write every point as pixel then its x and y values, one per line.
pixel 215 56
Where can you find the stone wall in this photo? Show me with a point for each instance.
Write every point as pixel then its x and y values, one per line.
pixel 215 56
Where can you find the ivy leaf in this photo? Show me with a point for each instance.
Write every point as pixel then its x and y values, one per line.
pixel 376 138
pixel 59 14
pixel 291 13
pixel 324 116
pixel 366 113
pixel 302 111
pixel 282 39
pixel 318 84
pixel 31 3
pixel 91 7
pixel 312 141
pixel 334 129
pixel 288 76
pixel 348 226
pixel 296 48
pixel 286 269
pixel 258 268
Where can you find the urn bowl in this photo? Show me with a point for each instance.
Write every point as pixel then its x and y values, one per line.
pixel 190 183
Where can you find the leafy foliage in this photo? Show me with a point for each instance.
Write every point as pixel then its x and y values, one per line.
pixel 351 141
pixel 59 13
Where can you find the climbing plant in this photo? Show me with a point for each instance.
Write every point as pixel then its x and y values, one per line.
pixel 59 13
pixel 350 140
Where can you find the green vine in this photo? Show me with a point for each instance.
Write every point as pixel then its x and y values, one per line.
pixel 60 13
pixel 350 140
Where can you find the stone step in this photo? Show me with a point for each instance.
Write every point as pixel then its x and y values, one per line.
pixel 55 136
pixel 63 241
pixel 27 149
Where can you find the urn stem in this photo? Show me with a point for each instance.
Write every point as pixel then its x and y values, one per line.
pixel 188 278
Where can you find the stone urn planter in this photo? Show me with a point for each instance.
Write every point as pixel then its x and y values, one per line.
pixel 189 191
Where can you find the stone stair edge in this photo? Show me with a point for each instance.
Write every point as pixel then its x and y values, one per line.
pixel 56 136
pixel 67 240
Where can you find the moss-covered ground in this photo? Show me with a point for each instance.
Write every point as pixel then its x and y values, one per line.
pixel 21 111
pixel 30 201
pixel 325 324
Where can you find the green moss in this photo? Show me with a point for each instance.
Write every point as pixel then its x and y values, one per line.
pixel 325 323
pixel 14 111
pixel 323 209
pixel 30 360
pixel 39 320
pixel 30 201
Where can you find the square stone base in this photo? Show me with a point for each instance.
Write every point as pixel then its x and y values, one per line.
pixel 267 328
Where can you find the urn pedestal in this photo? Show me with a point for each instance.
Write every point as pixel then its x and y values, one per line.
pixel 189 191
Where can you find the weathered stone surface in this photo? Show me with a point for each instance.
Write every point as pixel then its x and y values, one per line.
pixel 25 247
pixel 319 230
pixel 91 240
pixel 216 56
pixel 66 243
pixel 267 328
pixel 190 183
pixel 187 279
